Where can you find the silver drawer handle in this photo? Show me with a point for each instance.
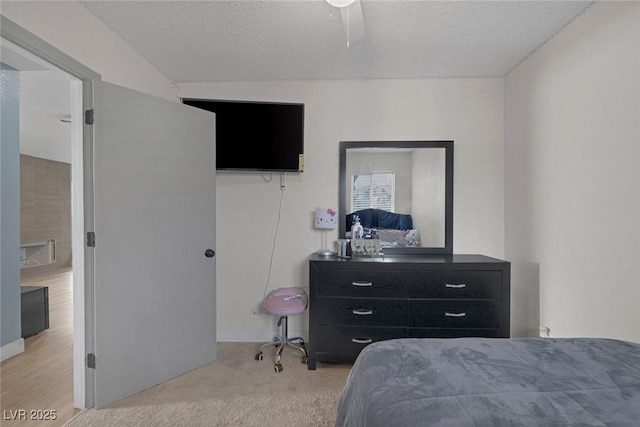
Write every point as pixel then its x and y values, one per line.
pixel 362 283
pixel 362 312
pixel 455 314
pixel 362 340
pixel 461 285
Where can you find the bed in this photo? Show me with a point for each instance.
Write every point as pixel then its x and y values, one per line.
pixel 493 382
pixel 393 229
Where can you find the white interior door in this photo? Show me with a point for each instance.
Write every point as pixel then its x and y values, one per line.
pixel 154 193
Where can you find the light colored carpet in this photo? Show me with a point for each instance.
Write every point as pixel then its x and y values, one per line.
pixel 236 390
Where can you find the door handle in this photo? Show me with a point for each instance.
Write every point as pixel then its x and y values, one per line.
pixel 362 340
pixel 209 253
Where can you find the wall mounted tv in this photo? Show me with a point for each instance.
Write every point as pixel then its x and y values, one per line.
pixel 258 136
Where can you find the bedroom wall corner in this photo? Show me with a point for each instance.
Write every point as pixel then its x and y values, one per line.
pixel 572 169
pixel 70 27
pixel 468 111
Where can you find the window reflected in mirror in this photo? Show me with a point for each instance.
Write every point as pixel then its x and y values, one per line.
pixel 373 190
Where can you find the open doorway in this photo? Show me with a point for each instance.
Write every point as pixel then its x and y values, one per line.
pixel 125 308
pixel 49 108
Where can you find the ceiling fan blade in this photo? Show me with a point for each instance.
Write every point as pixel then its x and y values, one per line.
pixel 353 21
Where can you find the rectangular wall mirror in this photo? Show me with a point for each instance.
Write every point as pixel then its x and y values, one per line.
pixel 402 190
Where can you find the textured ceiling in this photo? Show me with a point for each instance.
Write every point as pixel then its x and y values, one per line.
pixel 207 41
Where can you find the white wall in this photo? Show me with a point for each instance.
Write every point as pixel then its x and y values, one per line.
pixel 429 202
pixel 69 27
pixel 45 97
pixel 470 112
pixel 570 119
pixel 572 169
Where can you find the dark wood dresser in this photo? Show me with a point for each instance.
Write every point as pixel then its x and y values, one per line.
pixel 354 302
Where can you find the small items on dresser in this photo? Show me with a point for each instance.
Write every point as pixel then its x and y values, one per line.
pixel 343 248
pixel 366 247
pixel 357 231
pixel 363 243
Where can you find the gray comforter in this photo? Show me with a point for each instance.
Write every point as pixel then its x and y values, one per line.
pixel 493 382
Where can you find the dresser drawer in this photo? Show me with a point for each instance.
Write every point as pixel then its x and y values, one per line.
pixel 457 284
pixel 361 312
pixel 453 333
pixel 349 341
pixel 362 283
pixel 483 314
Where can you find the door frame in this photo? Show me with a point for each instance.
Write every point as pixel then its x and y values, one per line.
pixel 82 200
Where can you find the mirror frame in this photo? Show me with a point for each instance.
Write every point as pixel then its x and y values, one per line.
pixel 447 249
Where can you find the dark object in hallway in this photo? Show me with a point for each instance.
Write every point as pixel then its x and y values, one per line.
pixel 35 309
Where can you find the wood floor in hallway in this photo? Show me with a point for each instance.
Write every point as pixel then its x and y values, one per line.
pixel 41 378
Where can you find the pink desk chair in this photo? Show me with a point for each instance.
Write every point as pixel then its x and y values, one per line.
pixel 284 302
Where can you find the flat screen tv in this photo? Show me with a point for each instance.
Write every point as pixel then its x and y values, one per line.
pixel 256 136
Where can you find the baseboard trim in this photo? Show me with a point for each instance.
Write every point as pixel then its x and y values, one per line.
pixel 12 349
pixel 256 336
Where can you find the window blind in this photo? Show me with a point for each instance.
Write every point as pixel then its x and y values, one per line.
pixel 375 190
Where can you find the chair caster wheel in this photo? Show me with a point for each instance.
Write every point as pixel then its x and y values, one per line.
pixel 259 356
pixel 305 360
pixel 277 367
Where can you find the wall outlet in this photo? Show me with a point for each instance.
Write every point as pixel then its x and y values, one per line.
pixel 256 310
